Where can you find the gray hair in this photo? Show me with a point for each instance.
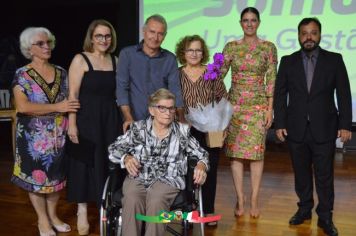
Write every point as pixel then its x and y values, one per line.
pixel 26 39
pixel 161 94
pixel 158 18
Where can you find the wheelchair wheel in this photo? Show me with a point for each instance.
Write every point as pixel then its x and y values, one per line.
pixel 110 213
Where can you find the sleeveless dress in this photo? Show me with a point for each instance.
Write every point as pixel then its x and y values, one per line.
pixel 99 124
pixel 39 155
pixel 253 73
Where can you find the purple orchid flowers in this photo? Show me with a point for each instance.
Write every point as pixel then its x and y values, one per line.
pixel 213 69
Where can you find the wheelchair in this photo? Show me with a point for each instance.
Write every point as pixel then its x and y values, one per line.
pixel 187 200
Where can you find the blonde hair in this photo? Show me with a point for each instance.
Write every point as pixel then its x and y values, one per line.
pixel 88 45
pixel 161 94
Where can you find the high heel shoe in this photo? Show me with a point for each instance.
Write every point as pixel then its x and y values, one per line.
pixel 254 210
pixel 237 211
pixel 82 223
pixel 63 228
pixel 254 213
pixel 49 233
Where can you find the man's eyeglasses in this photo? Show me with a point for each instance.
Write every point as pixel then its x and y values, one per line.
pixel 164 109
pixel 42 44
pixel 194 51
pixel 101 37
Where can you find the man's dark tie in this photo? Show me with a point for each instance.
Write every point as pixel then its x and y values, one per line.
pixel 310 71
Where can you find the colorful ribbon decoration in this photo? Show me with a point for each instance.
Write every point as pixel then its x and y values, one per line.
pixel 166 217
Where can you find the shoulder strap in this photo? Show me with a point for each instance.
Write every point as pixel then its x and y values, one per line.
pixel 113 62
pixel 87 60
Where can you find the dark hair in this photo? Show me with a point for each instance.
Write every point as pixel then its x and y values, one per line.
pixel 185 42
pixel 307 20
pixel 250 9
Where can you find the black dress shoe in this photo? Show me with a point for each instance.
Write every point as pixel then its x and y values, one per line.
pixel 299 218
pixel 328 227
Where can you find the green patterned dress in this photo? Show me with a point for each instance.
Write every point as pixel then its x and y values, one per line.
pixel 253 73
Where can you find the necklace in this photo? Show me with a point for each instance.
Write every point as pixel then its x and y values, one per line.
pixel 160 133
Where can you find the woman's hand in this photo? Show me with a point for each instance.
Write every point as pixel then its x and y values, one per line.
pixel 132 165
pixel 68 106
pixel 200 173
pixel 73 133
pixel 268 119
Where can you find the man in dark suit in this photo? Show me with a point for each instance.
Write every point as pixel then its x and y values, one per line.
pixel 306 115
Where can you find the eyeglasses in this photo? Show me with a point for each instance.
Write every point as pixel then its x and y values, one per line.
pixel 194 51
pixel 41 44
pixel 164 109
pixel 101 37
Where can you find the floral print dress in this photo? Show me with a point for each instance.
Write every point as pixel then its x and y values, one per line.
pixel 253 73
pixel 39 156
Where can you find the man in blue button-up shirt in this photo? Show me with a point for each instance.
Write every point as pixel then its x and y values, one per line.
pixel 144 68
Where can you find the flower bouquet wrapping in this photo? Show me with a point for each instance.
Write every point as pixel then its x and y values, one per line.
pixel 215 116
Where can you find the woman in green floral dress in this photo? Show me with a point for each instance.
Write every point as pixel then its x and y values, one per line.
pixel 253 64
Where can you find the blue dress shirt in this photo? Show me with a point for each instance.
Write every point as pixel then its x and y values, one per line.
pixel 139 75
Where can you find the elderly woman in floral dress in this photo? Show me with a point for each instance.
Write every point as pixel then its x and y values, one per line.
pixel 40 90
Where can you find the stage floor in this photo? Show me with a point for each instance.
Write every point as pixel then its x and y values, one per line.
pixel 277 201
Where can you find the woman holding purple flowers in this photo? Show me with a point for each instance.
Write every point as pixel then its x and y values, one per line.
pixel 192 53
pixel 253 64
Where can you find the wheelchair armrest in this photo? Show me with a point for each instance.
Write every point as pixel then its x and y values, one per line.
pixel 113 166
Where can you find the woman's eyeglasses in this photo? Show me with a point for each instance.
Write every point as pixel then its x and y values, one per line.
pixel 164 109
pixel 101 37
pixel 194 51
pixel 42 44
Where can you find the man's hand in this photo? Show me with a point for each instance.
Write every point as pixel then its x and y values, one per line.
pixel 128 119
pixel 126 125
pixel 281 134
pixel 200 173
pixel 344 135
pixel 132 165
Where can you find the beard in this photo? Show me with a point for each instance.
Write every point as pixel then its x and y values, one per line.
pixel 309 45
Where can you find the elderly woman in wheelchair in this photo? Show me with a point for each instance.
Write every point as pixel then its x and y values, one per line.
pixel 155 153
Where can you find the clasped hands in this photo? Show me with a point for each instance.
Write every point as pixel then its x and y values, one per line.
pixel 133 167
